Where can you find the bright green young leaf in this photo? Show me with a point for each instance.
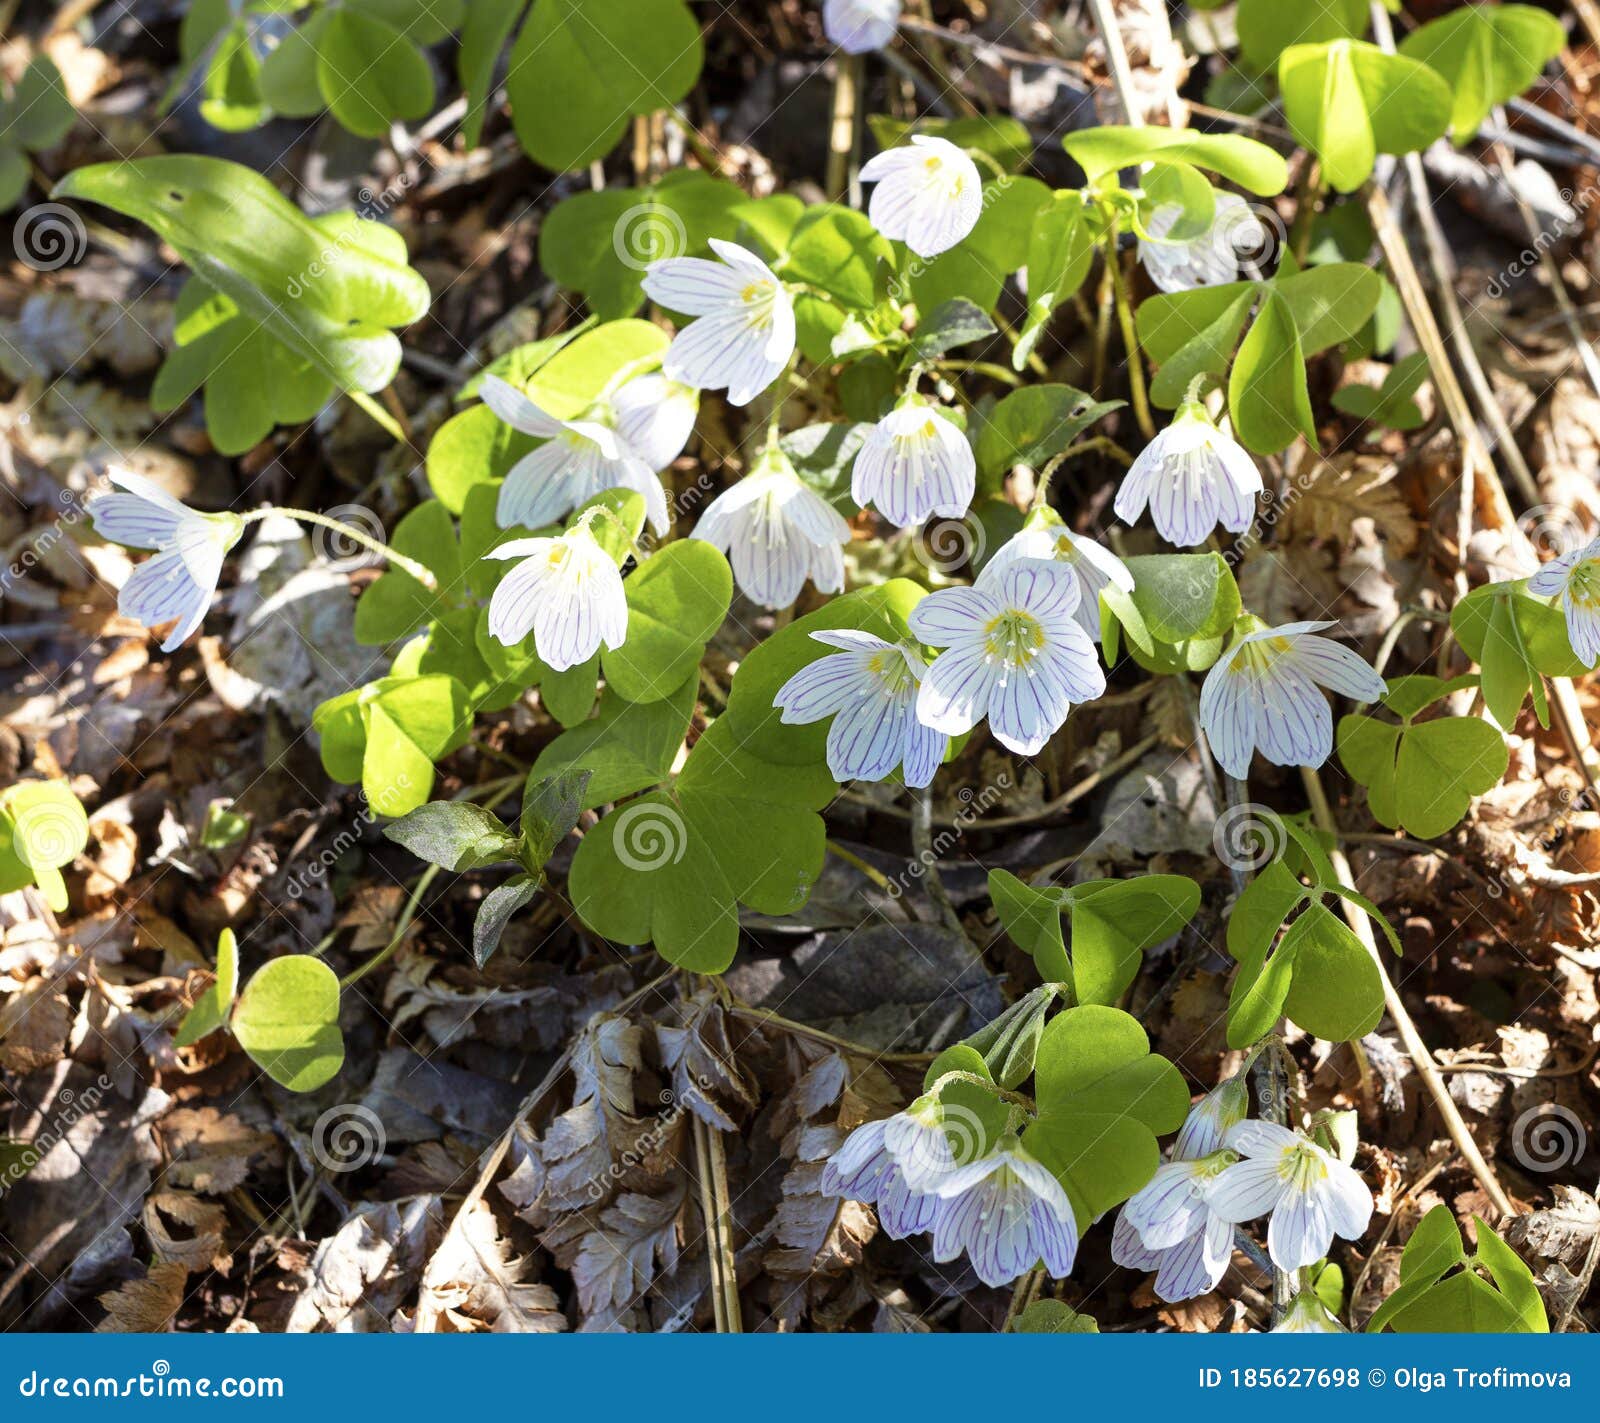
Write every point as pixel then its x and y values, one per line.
pixel 580 69
pixel 396 604
pixel 1010 1043
pixel 211 1008
pixel 1268 27
pixel 1442 1292
pixel 1391 404
pixel 327 289
pixel 626 747
pixel 1349 101
pixel 287 1019
pixel 1101 152
pixel 1421 776
pixel 1517 639
pixel 1103 1096
pixel 670 868
pixel 42 828
pixel 36 117
pixel 389 733
pixel 838 250
pixel 487 27
pixel 1267 394
pixel 233 100
pixel 370 74
pixel 676 602
pixel 1486 54
pixel 1335 989
pixel 1061 245
pixel 1051 1316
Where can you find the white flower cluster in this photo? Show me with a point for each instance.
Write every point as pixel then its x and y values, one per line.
pixel 1004 1209
pixel 1009 1212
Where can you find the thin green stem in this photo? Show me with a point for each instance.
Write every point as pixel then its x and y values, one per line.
pixel 1130 340
pixel 381 417
pixel 420 572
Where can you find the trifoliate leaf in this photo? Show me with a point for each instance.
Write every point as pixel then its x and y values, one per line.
pixel 1487 54
pixel 287 1019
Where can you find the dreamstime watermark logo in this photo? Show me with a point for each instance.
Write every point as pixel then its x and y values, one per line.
pixel 348 1137
pixel 928 1149
pixel 48 833
pixel 1548 1138
pixel 648 233
pixel 322 863
pixel 374 203
pixel 40 544
pixel 1553 529
pixel 49 236
pixel 973 805
pixel 1577 205
pixel 342 553
pixel 946 546
pixel 649 836
pixel 1248 837
pixel 654 1139
pixel 69 1107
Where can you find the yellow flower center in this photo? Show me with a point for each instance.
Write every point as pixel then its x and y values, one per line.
pixel 1302 1168
pixel 1255 659
pixel 889 667
pixel 1583 587
pixel 1014 638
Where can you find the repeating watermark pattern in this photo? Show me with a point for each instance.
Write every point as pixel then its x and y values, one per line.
pixel 1553 530
pixel 650 1143
pixel 49 236
pixel 343 554
pixel 1577 205
pixel 1253 234
pixel 946 546
pixel 648 233
pixel 67 1109
pixel 1548 1138
pixel 374 203
pixel 348 1137
pixel 649 836
pixel 322 863
pixel 1248 837
pixel 39 545
pixel 973 805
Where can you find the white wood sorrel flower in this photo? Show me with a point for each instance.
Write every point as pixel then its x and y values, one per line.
pixel 655 417
pixel 929 194
pixel 1573 580
pixel 1094 566
pixel 177 585
pixel 858 26
pixel 777 533
pixel 914 464
pixel 1264 694
pixel 1008 1211
pixel 864 1169
pixel 743 335
pixel 1193 477
pixel 567 591
pixel 1014 653
pixel 579 459
pixel 869 688
pixel 1310 1194
pixel 1207 260
pixel 1168 1226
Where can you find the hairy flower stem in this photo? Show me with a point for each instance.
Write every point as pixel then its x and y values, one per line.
pixel 922 848
pixel 420 572
pixel 1130 340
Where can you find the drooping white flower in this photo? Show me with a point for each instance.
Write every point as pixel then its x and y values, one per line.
pixel 1205 261
pixel 863 1169
pixel 870 690
pixel 1263 694
pixel 1573 580
pixel 1167 1226
pixel 1095 566
pixel 578 459
pixel 567 591
pixel 929 194
pixel 1308 1315
pixel 655 417
pixel 1008 1212
pixel 914 464
pixel 858 26
pixel 1310 1194
pixel 1014 653
pixel 1193 477
pixel 777 533
pixel 922 1144
pixel 744 332
pixel 176 586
